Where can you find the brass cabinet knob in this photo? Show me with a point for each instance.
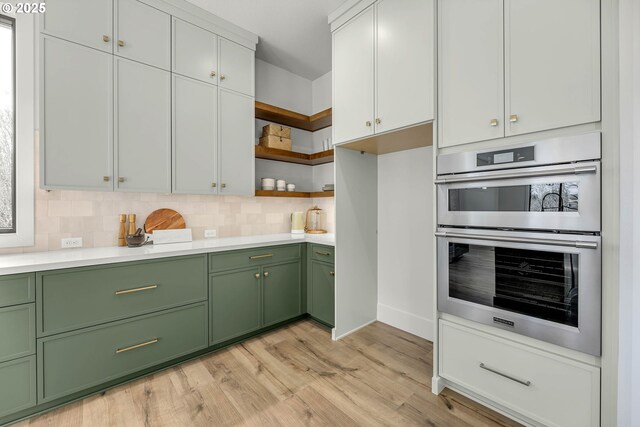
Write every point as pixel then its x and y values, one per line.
pixel 332 273
pixel 494 122
pixel 106 178
pixel 513 118
pixel 257 275
pixel 378 121
pixel 213 74
pixel 368 123
pixel 222 77
pixel 266 274
pixel 214 185
pixel 224 185
pixel 106 38
pixel 120 179
pixel 121 43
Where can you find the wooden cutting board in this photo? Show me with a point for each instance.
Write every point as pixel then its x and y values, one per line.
pixel 163 219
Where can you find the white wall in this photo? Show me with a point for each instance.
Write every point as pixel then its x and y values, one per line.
pixel 277 86
pixel 405 241
pixel 629 347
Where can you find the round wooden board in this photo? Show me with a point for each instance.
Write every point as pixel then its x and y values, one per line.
pixel 163 219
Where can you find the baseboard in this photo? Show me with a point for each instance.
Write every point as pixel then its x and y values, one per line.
pixel 333 331
pixel 408 322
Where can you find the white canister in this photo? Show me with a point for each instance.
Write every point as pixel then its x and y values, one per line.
pixel 291 187
pixel 281 184
pixel 268 184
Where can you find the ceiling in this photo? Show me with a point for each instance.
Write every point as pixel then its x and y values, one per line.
pixel 294 34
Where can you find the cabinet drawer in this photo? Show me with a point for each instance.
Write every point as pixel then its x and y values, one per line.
pixel 17 385
pixel 72 299
pixel 17 289
pixel 322 253
pixel 252 257
pixel 544 387
pixel 17 331
pixel 78 360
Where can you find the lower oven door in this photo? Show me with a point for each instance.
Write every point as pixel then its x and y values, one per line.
pixel 545 286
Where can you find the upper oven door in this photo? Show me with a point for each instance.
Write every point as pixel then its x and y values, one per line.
pixel 558 197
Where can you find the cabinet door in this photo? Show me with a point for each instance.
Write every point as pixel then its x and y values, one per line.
pixel 405 63
pixel 234 304
pixel 195 156
pixel 552 54
pixel 236 67
pixel 282 287
pixel 470 71
pixel 195 52
pixel 143 127
pixel 323 292
pixel 236 140
pixel 17 385
pixel 76 116
pixel 353 69
pixel 89 23
pixel 143 33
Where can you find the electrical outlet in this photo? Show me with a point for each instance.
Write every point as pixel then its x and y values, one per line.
pixel 71 242
pixel 209 234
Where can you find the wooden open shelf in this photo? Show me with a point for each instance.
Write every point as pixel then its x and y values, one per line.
pixel 298 194
pixel 294 157
pixel 290 118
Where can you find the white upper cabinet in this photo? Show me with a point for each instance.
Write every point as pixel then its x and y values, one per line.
pixel 195 52
pixel 470 71
pixel 89 23
pixel 405 63
pixel 143 33
pixel 143 127
pixel 552 54
pixel 353 79
pixel 76 116
pixel 236 141
pixel 195 156
pixel 236 67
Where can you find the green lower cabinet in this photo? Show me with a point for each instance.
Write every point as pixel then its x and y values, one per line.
pixel 282 292
pixel 17 289
pixel 75 361
pixel 234 302
pixel 322 292
pixel 17 331
pixel 17 385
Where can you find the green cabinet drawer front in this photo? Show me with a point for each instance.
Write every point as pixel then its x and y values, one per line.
pixel 322 253
pixel 234 299
pixel 78 360
pixel 83 297
pixel 17 289
pixel 282 292
pixel 322 292
pixel 17 385
pixel 253 257
pixel 17 331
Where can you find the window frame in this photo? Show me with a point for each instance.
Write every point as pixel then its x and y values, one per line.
pixel 24 135
pixel 11 22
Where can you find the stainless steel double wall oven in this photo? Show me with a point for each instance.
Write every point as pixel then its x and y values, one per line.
pixel 519 239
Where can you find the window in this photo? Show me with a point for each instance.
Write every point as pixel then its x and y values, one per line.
pixel 7 126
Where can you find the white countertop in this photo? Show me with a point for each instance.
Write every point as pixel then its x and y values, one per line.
pixel 69 258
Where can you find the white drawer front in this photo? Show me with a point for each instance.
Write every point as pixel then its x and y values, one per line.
pixel 561 392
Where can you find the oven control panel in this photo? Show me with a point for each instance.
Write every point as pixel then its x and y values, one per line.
pixel 514 155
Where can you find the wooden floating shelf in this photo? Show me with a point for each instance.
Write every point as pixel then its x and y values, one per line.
pixel 290 118
pixel 298 194
pixel 294 157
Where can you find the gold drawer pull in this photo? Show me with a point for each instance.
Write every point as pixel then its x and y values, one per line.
pixel 323 253
pixel 133 347
pixel 332 273
pixel 130 291
pixel 261 256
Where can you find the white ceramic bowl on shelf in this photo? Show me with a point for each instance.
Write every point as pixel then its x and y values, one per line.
pixel 268 184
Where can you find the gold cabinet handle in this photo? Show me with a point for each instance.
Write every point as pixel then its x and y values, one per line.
pixel 261 256
pixel 368 123
pixel 120 179
pixel 214 185
pixel 213 74
pixel 265 274
pixel 494 122
pixel 106 178
pixel 133 347
pixel 513 118
pixel 224 185
pixel 332 273
pixel 121 43
pixel 131 291
pixel 378 120
pixel 222 77
pixel 106 38
pixel 257 275
pixel 323 253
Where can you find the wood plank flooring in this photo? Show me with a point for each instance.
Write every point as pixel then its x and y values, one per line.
pixel 294 376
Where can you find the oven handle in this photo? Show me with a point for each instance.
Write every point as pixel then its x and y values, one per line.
pixel 551 242
pixel 577 170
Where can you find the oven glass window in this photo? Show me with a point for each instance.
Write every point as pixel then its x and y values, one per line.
pixel 559 197
pixel 536 283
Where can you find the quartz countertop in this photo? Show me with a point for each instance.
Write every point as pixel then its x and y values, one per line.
pixel 70 258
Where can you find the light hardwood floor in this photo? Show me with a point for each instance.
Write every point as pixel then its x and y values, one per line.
pixel 293 376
